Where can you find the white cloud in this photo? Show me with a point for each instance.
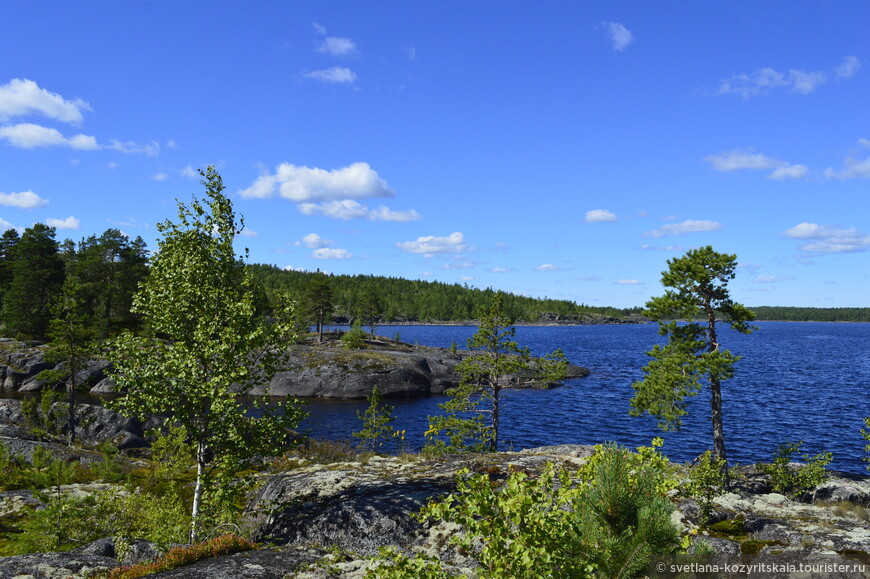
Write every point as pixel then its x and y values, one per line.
pixel 848 67
pixel 314 241
pixel 171 144
pixel 765 279
pixel 20 97
pixel 412 53
pixel 499 270
pixel 247 232
pixel 548 267
pixel 151 149
pixel 22 200
pixel 301 184
pixel 350 209
pixel 319 28
pixel 30 136
pixel 337 46
pixel 428 245
pixel 599 215
pixel 764 80
pixel 828 238
pixel 628 282
pixel 68 223
pixel 619 35
pixel 688 226
pixel 112 165
pixel 291 268
pixel 333 75
pixel 4 225
pixel 327 253
pixel 160 176
pixel 739 160
pixel 853 168
pixel 466 278
pixel 787 171
pixel 189 172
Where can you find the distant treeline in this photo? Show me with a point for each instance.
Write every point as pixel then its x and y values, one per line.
pixel 403 300
pixel 793 314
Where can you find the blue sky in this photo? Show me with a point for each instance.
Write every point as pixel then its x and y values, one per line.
pixel 560 149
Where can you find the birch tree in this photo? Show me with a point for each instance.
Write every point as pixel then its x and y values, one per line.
pixel 209 346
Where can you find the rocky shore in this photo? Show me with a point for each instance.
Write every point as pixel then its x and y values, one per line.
pixel 319 520
pixel 317 370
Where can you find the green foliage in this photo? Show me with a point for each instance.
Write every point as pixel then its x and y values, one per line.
pixel 495 357
pixel 37 272
pixel 396 565
pixel 40 414
pixel 793 481
pixel 707 480
pixel 319 300
pixel 549 526
pixel 355 338
pixel 648 459
pixel 68 522
pixel 403 300
pixel 692 357
pixel 377 422
pixel 802 314
pixel 210 344
pixel 173 455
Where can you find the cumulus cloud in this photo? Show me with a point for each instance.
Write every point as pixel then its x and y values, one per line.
pixel 310 184
pixel 189 172
pixel 619 35
pixel 688 226
pixel 430 244
pixel 160 176
pixel 499 270
pixel 329 253
pixel 350 209
pixel 337 46
pixel 21 97
pixel 60 224
pixel 628 282
pixel 31 136
pixel 248 232
pixel 764 80
pixel 22 200
pixel 828 238
pixel 548 267
pixel 314 241
pixel 333 75
pixel 4 225
pixel 747 159
pixel 599 215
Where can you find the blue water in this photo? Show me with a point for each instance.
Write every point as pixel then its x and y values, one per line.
pixel 796 381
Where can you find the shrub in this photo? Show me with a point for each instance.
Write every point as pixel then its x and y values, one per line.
pixel 549 526
pixel 355 338
pixel 794 481
pixel 706 481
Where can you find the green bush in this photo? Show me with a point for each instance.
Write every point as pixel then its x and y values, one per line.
pixel 355 338
pixel 67 522
pixel 550 526
pixel 706 481
pixel 794 481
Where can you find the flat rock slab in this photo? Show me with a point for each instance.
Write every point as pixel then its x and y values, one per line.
pixel 274 563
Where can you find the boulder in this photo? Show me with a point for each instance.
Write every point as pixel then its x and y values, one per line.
pixel 69 565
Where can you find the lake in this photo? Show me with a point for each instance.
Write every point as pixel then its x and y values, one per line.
pixel 797 381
